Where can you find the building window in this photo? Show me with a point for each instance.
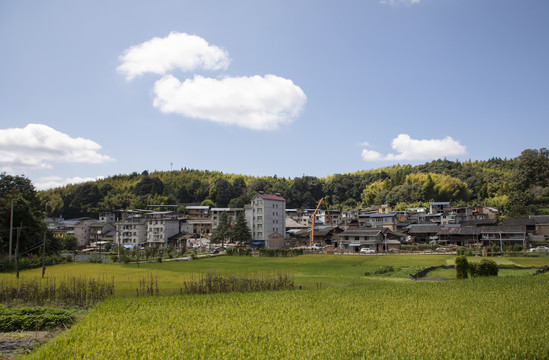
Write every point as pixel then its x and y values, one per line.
pixel 260 218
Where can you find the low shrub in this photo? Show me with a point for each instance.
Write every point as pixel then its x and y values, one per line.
pixel 212 282
pixel 96 259
pixel 280 252
pixel 488 268
pixel 31 262
pixel 381 270
pixel 484 268
pixel 71 291
pixel 25 319
pixel 239 252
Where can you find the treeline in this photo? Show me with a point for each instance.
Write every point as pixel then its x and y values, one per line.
pixel 517 186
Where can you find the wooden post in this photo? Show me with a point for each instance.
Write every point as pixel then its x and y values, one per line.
pixel 43 255
pixel 17 251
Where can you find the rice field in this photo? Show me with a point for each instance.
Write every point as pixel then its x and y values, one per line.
pixel 491 318
pixel 336 313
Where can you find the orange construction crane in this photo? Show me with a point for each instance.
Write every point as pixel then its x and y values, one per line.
pixel 314 219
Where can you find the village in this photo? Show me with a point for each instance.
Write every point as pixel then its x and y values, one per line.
pixel 273 226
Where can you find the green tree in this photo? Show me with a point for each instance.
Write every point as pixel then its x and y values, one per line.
pixel 222 231
pixel 149 186
pixel 532 168
pixel 208 202
pixel 54 205
pixel 70 242
pixel 223 192
pixel 28 222
pixel 240 231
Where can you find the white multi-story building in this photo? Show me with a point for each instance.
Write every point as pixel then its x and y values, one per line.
pixel 161 225
pixel 266 218
pixel 131 229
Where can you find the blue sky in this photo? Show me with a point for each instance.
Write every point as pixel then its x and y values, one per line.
pixel 286 88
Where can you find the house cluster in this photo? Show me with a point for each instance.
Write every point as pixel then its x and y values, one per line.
pixel 274 226
pixel 382 229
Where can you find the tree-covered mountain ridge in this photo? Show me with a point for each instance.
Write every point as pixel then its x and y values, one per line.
pixel 517 186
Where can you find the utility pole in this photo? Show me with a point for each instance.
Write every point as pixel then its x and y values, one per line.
pixel 17 250
pixel 43 255
pixel 11 230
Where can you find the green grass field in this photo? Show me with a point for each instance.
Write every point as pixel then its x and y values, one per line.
pixel 338 314
pixel 309 271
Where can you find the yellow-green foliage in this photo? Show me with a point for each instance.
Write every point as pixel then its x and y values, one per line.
pixel 417 187
pixel 493 318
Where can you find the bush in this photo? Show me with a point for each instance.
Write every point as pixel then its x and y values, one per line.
pixel 488 268
pixel 484 268
pixel 381 270
pixel 239 252
pixel 474 269
pixel 114 258
pixel 462 266
pixel 69 258
pixel 280 252
pixel 95 259
pixel 31 262
pixel 460 251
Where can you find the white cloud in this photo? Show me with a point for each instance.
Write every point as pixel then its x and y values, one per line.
pixel 255 102
pixel 50 182
pixel 409 149
pixel 37 145
pixel 399 2
pixel 176 51
pixel 364 143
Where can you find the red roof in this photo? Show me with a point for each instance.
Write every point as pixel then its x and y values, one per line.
pixel 271 197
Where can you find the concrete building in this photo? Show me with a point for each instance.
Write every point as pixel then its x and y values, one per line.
pixel 131 229
pixel 161 225
pixel 377 220
pixel 79 227
pixel 439 207
pixel 266 218
pixel 232 214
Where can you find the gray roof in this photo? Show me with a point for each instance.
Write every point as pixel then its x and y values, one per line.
pixel 502 229
pixel 463 230
pixel 519 222
pixel 479 222
pixel 377 215
pixel 361 232
pixel 423 229
pixel 540 219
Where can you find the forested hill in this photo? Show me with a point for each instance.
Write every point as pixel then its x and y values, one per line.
pixel 517 186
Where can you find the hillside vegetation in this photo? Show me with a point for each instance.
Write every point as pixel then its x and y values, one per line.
pixel 517 186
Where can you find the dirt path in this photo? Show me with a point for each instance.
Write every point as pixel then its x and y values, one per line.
pixel 15 343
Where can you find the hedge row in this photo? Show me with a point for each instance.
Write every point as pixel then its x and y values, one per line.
pixel 30 262
pixel 280 252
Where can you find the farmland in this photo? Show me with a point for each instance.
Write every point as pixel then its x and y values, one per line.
pixel 338 313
